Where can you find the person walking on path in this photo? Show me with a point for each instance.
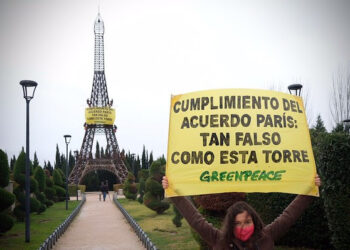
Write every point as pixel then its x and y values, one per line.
pixel 104 190
pixel 242 227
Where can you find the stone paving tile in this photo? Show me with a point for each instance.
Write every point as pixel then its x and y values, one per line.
pixel 99 226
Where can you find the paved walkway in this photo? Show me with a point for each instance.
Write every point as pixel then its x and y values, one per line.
pixel 101 226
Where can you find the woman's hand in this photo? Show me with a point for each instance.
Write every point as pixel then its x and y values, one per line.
pixel 165 182
pixel 317 180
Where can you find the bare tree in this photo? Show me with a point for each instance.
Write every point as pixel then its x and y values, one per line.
pixel 340 99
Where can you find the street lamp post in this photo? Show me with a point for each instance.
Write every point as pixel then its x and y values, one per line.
pixel 295 87
pixel 28 94
pixel 67 140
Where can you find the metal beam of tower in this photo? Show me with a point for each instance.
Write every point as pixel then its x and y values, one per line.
pixel 99 107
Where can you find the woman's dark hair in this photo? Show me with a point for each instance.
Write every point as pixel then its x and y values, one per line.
pixel 229 221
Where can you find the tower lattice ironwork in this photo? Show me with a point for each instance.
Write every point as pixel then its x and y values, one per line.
pixel 99 99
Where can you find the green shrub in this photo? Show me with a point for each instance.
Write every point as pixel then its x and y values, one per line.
pixel 42 208
pixel 20 169
pixel 50 193
pixel 19 212
pixel 116 187
pixel 63 176
pixel 142 175
pixel 6 222
pixel 82 188
pixel 177 218
pixel 40 177
pixel 49 203
pixel 334 162
pixel 72 190
pixel 34 205
pixel 34 186
pixel 312 223
pixel 19 193
pixel 154 194
pixel 6 198
pixel 49 182
pixel 130 189
pixel 41 197
pixel 142 186
pixel 60 192
pixel 57 178
pixel 4 169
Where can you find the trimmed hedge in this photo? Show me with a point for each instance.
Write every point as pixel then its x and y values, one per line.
pixel 117 186
pixel 72 189
pixel 177 217
pixel 6 222
pixel 310 230
pixel 130 188
pixel 50 193
pixel 57 178
pixel 40 177
pixel 6 198
pixel 19 177
pixel 142 175
pixel 60 193
pixel 334 169
pixel 154 195
pixel 4 169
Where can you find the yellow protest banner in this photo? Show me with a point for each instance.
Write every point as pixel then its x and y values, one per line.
pixel 239 140
pixel 100 115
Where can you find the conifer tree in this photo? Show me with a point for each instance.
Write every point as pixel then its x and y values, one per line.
pixel 150 159
pixel 19 177
pixel 97 153
pixel 143 158
pixel 6 198
pixel 319 127
pixel 36 161
pixel 40 177
pixel 71 162
pixel 59 184
pixel 49 167
pixel 102 153
pixel 58 163
pixel 63 163
pixel 12 162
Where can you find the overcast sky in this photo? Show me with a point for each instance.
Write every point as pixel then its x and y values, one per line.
pixel 154 49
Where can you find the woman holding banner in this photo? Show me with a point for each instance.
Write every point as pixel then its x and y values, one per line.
pixel 242 227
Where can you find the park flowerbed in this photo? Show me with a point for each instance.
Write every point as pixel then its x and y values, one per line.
pixel 41 226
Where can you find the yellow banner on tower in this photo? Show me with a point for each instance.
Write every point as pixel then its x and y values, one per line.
pixel 103 115
pixel 239 140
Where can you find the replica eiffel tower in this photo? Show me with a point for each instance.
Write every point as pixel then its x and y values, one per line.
pixel 99 120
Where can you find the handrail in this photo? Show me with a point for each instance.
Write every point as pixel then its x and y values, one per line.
pixel 140 233
pixel 59 231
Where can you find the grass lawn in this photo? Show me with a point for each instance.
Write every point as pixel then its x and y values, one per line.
pixel 41 226
pixel 161 230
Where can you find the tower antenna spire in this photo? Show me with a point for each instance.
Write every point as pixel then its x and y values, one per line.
pixel 99 2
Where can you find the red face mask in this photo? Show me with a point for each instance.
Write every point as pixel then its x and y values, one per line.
pixel 244 233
